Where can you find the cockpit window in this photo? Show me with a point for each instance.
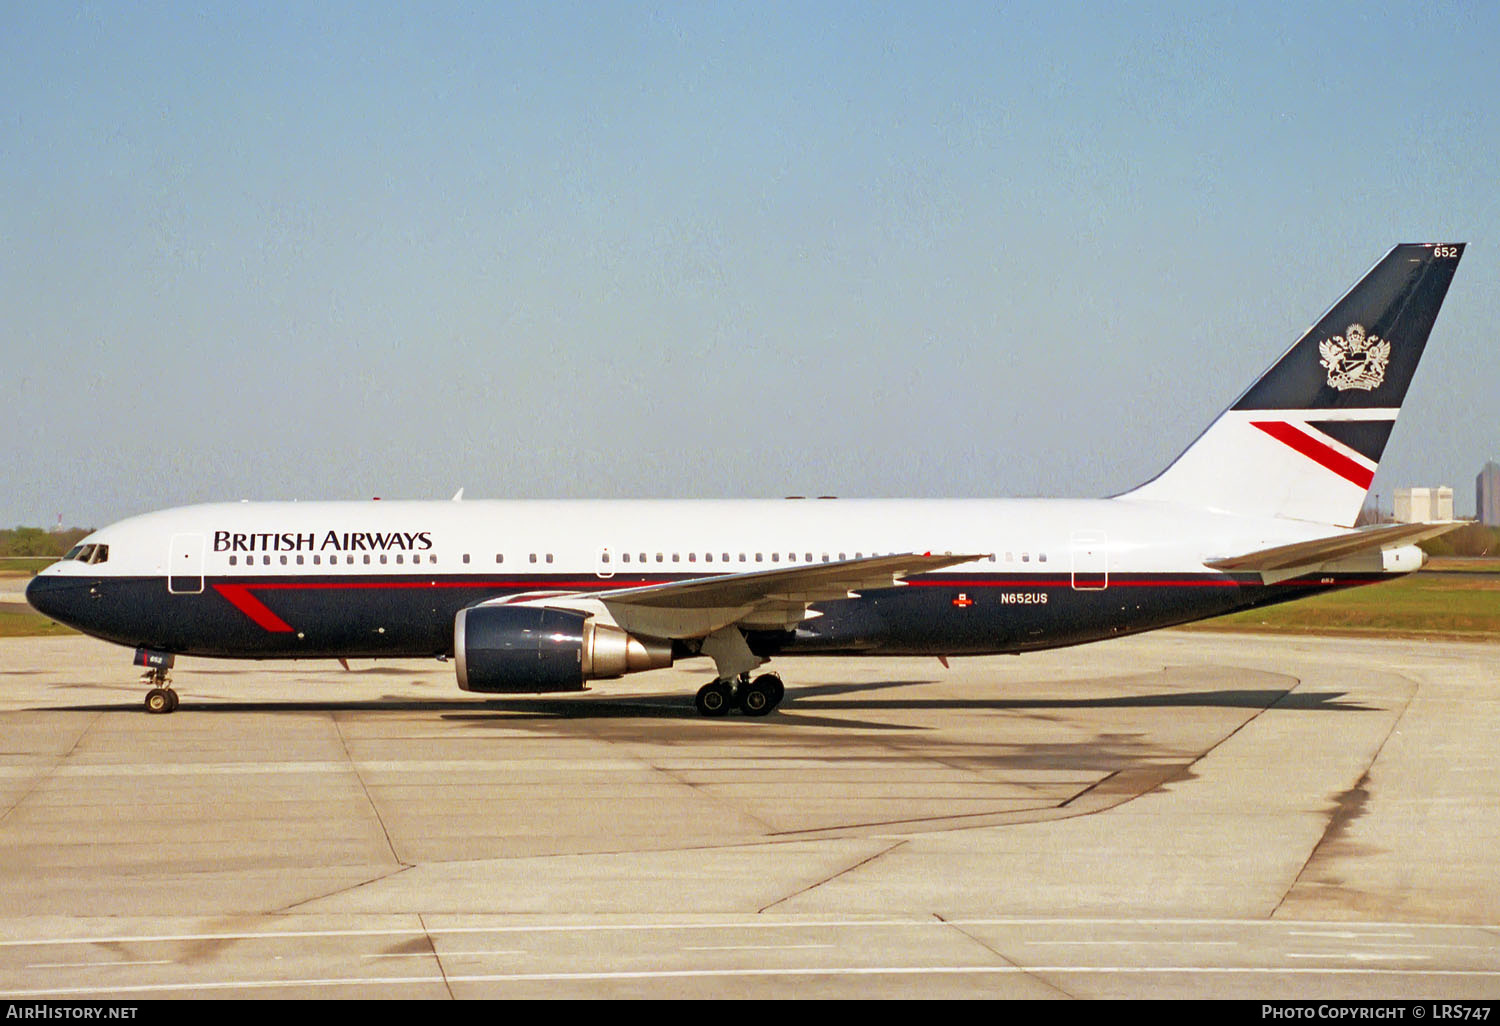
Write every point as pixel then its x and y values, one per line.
pixel 88 553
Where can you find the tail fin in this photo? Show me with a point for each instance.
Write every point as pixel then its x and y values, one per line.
pixel 1304 441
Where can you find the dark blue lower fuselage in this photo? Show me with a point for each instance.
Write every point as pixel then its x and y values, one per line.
pixel 390 617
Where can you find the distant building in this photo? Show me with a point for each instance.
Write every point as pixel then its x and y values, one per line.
pixel 1416 505
pixel 1487 495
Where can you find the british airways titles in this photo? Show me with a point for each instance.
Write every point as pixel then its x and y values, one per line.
pixel 335 541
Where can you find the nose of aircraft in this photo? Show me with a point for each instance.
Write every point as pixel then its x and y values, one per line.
pixel 56 597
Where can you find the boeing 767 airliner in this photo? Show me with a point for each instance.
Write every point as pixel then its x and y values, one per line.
pixel 546 596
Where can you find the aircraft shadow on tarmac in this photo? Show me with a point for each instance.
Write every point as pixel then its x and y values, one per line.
pixel 802 706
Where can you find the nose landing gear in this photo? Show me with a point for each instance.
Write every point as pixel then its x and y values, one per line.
pixel 161 698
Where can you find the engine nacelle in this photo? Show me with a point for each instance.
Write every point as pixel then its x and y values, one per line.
pixel 514 649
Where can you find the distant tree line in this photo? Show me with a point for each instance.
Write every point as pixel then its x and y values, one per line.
pixel 33 541
pixel 1469 540
pixel 1472 539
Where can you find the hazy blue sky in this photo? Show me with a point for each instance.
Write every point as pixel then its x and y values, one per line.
pixel 341 250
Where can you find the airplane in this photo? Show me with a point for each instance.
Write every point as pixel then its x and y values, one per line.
pixel 544 596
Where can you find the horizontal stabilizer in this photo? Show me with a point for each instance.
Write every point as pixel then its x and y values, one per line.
pixel 1339 546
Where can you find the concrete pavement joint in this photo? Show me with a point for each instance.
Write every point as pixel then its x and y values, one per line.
pixel 867 860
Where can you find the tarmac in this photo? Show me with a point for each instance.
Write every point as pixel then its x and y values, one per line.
pixel 1178 815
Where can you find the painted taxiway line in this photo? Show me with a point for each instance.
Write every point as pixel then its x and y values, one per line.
pixel 1346 933
pixel 682 974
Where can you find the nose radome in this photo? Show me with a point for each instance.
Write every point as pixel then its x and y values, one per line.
pixel 33 593
pixel 36 592
pixel 55 597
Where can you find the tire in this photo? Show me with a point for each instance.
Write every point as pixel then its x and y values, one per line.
pixel 773 685
pixel 757 698
pixel 714 699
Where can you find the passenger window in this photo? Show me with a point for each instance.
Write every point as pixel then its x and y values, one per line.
pixel 283 561
pixel 232 560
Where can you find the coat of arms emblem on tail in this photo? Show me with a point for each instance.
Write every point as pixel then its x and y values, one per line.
pixel 1355 360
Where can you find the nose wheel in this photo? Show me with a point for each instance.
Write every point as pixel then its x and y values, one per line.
pixel 758 697
pixel 161 698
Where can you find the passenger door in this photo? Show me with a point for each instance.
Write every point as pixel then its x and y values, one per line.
pixel 185 565
pixel 1090 561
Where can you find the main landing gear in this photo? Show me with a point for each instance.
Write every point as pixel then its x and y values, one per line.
pixel 733 687
pixel 753 697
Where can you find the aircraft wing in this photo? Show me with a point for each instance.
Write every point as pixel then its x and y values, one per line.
pixel 770 599
pixel 812 583
pixel 1336 547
